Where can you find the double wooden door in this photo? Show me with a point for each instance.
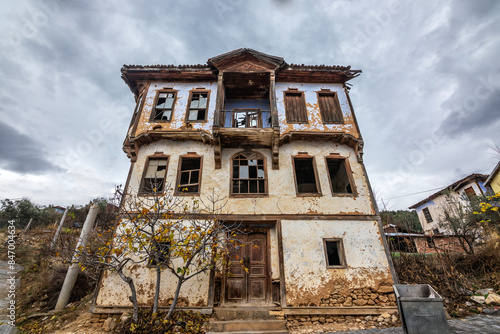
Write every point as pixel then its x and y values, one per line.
pixel 247 279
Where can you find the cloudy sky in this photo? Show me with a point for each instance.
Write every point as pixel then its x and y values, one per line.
pixel 428 101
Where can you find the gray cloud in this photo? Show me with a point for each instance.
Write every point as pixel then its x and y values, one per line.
pixel 20 153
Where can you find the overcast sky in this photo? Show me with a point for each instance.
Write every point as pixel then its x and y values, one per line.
pixel 428 101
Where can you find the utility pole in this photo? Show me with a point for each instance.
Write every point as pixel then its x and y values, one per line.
pixel 53 243
pixel 71 275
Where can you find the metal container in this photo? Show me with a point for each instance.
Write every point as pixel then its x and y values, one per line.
pixel 421 309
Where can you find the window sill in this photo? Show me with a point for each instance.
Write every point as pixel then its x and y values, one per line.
pixel 150 194
pixel 160 121
pixel 186 194
pixel 197 121
pixel 338 123
pixel 310 195
pixel 344 195
pixel 248 195
pixel 336 267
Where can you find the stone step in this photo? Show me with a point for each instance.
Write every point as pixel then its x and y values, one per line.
pixel 244 313
pixel 247 326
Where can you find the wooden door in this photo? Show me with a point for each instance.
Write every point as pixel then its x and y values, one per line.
pixel 247 279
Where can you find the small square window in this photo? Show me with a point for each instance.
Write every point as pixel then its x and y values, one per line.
pixel 198 105
pixel 334 253
pixel 164 106
pixel 159 253
pixel 470 193
pixel 189 177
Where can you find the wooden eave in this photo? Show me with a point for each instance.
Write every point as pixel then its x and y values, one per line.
pixel 311 75
pixel 131 145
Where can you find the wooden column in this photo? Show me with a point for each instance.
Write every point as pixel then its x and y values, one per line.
pixel 274 122
pixel 218 121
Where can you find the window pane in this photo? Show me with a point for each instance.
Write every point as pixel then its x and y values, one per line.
pixel 193 114
pixel 201 115
pixel 244 187
pixel 161 103
pixel 194 177
pixel 243 172
pixel 236 172
pixel 333 255
pixel 253 187
pixel 166 115
pixel 253 172
pixel 260 172
pixel 203 101
pixel 169 102
pixel 262 187
pixel 184 178
pixel 252 162
pixel 236 187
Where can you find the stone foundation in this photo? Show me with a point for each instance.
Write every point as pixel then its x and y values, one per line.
pixel 295 322
pixel 379 296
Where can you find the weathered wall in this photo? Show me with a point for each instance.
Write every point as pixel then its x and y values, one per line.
pixel 179 113
pixel 313 113
pixel 282 198
pixel 115 292
pixel 310 283
pixel 495 183
pixel 449 244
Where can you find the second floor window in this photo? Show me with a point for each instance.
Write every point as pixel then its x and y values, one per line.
pixel 198 106
pixel 189 178
pixel 306 180
pixel 249 174
pixel 295 107
pixel 339 175
pixel 427 215
pixel 329 107
pixel 154 175
pixel 164 106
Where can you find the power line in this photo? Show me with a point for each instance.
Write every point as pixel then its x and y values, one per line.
pixel 420 192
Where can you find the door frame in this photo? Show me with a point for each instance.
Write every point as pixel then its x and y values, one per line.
pixel 268 297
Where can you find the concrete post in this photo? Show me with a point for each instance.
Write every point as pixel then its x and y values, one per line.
pixel 69 281
pixel 28 226
pixel 61 223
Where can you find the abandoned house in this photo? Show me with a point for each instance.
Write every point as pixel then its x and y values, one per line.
pixel 493 181
pixel 281 141
pixel 432 211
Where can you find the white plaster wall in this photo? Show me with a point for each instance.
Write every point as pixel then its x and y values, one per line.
pixel 306 273
pixel 313 113
pixel 179 115
pixel 282 198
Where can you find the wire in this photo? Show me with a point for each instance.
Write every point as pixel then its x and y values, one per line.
pixel 420 192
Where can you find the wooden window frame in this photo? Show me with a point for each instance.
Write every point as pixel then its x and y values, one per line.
pixel 138 107
pixel 153 110
pixel 318 185
pixel 288 113
pixel 336 103
pixel 179 173
pixel 470 193
pixel 348 172
pixel 428 220
pixel 151 260
pixel 247 195
pixel 340 249
pixel 197 91
pixel 156 156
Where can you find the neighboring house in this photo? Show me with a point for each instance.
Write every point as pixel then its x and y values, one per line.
pixel 493 181
pixel 59 209
pixel 431 211
pixel 282 143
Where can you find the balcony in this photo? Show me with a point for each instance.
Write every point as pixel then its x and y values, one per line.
pixel 246 118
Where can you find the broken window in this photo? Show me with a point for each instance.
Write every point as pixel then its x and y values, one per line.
pixel 198 104
pixel 334 253
pixel 329 107
pixel 249 174
pixel 164 106
pixel 435 231
pixel 305 176
pixel 154 175
pixel 430 242
pixel 295 107
pixel 189 175
pixel 427 215
pixel 136 111
pixel 339 175
pixel 470 193
pixel 159 253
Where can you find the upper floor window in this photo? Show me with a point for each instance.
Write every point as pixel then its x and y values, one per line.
pixel 197 106
pixel 164 106
pixel 427 215
pixel 329 107
pixel 248 174
pixel 295 107
pixel 470 193
pixel 306 177
pixel 153 180
pixel 189 176
pixel 339 175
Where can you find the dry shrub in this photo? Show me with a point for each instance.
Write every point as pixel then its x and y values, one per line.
pixel 454 276
pixel 149 323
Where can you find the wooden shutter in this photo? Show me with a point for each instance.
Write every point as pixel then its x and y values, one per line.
pixel 330 108
pixel 295 107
